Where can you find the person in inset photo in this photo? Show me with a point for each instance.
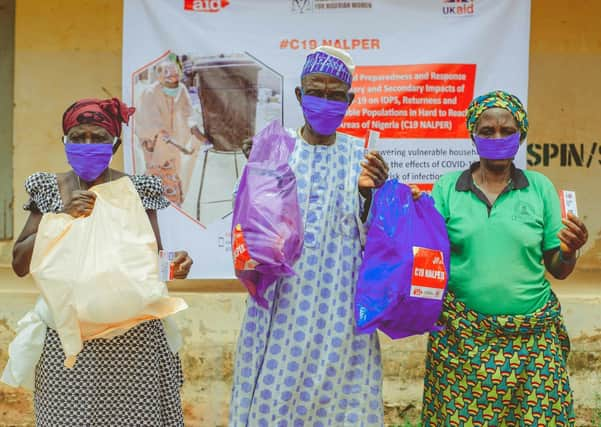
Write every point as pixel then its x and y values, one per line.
pixel 168 131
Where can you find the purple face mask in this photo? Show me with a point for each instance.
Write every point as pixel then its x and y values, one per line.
pixel 323 115
pixel 89 160
pixel 498 149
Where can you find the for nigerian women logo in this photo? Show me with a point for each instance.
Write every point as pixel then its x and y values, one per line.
pixel 304 6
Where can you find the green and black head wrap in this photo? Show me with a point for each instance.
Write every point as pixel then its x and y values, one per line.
pixel 497 99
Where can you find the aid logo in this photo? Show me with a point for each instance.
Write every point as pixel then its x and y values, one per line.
pixel 458 7
pixel 205 5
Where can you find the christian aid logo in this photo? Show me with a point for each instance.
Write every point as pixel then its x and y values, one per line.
pixel 205 5
pixel 458 7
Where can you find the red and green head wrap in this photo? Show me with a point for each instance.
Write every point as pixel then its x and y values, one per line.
pixel 106 113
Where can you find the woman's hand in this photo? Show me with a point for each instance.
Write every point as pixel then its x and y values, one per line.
pixel 81 203
pixel 374 171
pixel 572 237
pixel 181 264
pixel 560 263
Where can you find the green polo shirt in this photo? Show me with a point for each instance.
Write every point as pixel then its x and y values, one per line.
pixel 497 250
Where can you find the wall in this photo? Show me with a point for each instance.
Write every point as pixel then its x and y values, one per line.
pixel 565 65
pixel 7 47
pixel 67 49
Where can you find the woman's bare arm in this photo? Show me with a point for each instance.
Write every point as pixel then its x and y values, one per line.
pixel 23 247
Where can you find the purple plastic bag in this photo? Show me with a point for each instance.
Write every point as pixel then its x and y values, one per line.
pixel 397 292
pixel 267 229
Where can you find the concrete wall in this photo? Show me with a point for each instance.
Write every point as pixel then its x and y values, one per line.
pixel 67 49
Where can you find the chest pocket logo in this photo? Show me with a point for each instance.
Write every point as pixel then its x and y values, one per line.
pixel 523 212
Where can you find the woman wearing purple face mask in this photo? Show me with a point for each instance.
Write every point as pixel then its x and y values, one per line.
pixel 501 358
pixel 132 375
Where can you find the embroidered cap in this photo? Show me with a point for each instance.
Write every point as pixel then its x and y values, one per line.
pixel 332 61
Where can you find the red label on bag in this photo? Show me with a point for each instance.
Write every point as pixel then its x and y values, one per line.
pixel 429 275
pixel 242 259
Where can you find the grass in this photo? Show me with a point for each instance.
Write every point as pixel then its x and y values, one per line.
pixel 597 411
pixel 407 423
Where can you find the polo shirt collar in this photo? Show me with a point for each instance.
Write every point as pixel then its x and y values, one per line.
pixel 466 181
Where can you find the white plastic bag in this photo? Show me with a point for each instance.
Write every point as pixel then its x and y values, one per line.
pixel 99 275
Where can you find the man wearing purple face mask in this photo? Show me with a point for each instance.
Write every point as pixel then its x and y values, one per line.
pixel 501 358
pixel 300 362
pixel 134 375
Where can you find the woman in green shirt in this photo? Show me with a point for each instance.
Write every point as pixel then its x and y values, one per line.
pixel 501 358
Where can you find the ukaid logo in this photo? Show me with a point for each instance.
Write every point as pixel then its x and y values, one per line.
pixel 458 7
pixel 205 5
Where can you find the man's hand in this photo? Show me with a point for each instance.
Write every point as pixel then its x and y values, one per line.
pixel 81 203
pixel 181 264
pixel 149 144
pixel 415 191
pixel 247 145
pixel 374 172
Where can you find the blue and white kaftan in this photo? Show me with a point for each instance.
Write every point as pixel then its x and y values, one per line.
pixel 300 363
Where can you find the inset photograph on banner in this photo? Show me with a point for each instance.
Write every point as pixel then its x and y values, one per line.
pixel 192 115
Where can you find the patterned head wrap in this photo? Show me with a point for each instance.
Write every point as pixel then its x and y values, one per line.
pixel 498 99
pixel 332 61
pixel 106 113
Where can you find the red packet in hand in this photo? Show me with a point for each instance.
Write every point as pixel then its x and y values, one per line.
pixel 166 267
pixel 371 139
pixel 568 203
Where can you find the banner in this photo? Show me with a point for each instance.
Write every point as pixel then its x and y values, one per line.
pixel 204 75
